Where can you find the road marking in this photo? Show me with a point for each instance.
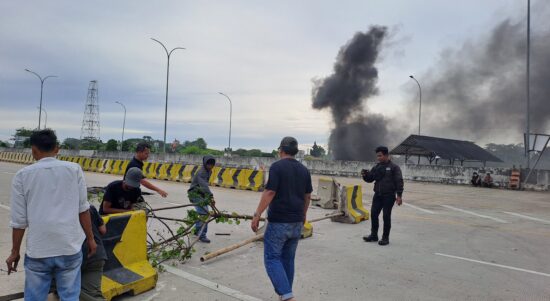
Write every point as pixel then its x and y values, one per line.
pixel 528 217
pixel 175 204
pixel 495 264
pixel 418 208
pixel 209 284
pixel 476 214
pixel 7 172
pixel 5 207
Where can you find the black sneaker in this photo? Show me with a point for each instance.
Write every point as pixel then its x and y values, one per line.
pixel 384 241
pixel 370 238
pixel 204 240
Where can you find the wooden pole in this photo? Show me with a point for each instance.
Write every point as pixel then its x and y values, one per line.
pixel 230 248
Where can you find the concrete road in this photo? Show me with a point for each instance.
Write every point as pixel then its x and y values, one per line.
pixel 447 243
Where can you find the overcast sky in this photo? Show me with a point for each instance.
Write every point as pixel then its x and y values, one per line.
pixel 263 54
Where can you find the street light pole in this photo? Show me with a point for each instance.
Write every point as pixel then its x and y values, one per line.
pixel 420 103
pixel 46 115
pixel 528 135
pixel 41 92
pixel 123 124
pixel 230 119
pixel 168 53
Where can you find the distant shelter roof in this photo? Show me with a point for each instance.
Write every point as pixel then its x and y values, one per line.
pixel 442 148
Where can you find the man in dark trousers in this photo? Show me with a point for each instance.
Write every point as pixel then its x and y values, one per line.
pixel 121 196
pixel 143 149
pixel 92 267
pixel 199 193
pixel 388 189
pixel 287 193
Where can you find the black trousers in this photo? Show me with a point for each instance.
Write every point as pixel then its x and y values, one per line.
pixel 381 203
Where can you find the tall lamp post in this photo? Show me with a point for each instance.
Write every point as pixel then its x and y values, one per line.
pixel 230 118
pixel 123 124
pixel 168 53
pixel 42 80
pixel 527 136
pixel 420 103
pixel 46 119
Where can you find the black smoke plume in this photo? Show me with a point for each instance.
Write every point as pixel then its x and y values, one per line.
pixel 478 92
pixel 356 132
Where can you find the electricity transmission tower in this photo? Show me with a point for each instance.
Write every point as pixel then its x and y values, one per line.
pixel 90 122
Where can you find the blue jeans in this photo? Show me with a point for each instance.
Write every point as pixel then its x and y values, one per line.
pixel 198 225
pixel 39 273
pixel 280 243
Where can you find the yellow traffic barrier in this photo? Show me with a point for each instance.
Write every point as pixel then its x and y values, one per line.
pixel 108 166
pixel 174 172
pixel 164 171
pixel 188 173
pixel 127 269
pixel 307 230
pixel 150 170
pixel 216 176
pixel 250 179
pixel 351 205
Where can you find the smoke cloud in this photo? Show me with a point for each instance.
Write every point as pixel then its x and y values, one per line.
pixel 479 91
pixel 356 131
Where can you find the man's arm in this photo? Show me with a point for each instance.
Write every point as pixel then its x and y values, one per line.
pixel 13 259
pixel 86 224
pixel 108 209
pixel 306 205
pixel 369 176
pixel 267 198
pixel 150 185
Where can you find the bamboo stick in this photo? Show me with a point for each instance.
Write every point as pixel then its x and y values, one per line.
pixel 230 248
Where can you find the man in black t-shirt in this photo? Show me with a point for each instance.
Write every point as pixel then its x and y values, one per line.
pixel 143 150
pixel 120 196
pixel 287 193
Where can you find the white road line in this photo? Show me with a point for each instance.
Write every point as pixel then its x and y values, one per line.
pixel 175 204
pixel 209 284
pixel 7 172
pixel 418 208
pixel 528 217
pixel 495 264
pixel 5 207
pixel 476 214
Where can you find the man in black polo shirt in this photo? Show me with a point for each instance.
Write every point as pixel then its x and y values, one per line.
pixel 287 193
pixel 120 196
pixel 143 149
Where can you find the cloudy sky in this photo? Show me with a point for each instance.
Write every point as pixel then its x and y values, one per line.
pixel 263 54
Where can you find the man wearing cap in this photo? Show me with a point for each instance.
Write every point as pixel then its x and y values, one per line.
pixel 287 194
pixel 120 196
pixel 388 189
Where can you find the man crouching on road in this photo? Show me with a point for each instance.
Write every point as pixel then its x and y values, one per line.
pixel 388 189
pixel 287 193
pixel 49 198
pixel 122 196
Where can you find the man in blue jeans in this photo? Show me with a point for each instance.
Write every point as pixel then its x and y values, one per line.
pixel 50 201
pixel 287 193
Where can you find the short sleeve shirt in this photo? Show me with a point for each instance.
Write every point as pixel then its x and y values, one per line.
pixel 291 181
pixel 134 163
pixel 118 197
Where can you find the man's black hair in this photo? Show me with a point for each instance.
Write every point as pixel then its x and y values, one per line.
pixel 142 146
pixel 382 149
pixel 45 140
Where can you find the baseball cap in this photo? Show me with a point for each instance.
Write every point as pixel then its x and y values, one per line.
pixel 133 177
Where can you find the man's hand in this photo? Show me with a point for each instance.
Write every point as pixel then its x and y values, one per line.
pixel 162 193
pixel 255 223
pixel 92 247
pixel 12 262
pixel 399 201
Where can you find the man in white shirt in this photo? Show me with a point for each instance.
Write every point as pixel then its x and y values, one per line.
pixel 49 198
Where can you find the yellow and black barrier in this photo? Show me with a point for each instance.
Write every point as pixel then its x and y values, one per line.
pixel 351 205
pixel 228 177
pixel 127 269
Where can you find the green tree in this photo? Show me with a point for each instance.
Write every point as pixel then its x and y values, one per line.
pixel 91 144
pixel 317 151
pixel 112 145
pixel 22 137
pixel 70 143
pixel 3 144
pixel 199 142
